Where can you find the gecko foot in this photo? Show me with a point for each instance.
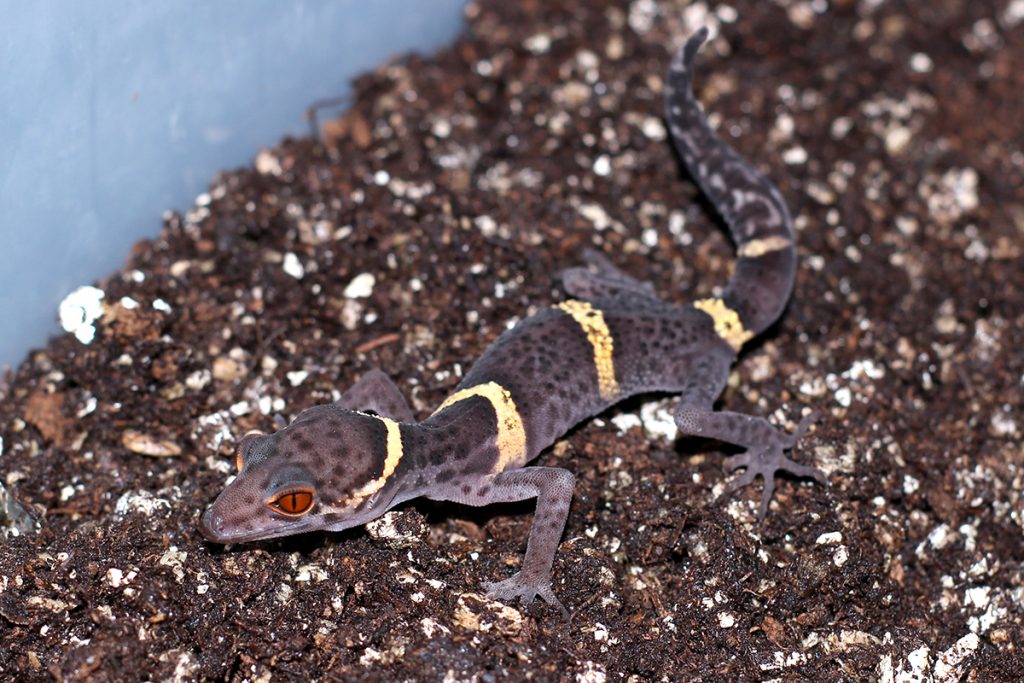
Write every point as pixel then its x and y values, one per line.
pixel 765 461
pixel 600 278
pixel 525 589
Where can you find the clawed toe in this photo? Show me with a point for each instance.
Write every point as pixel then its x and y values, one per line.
pixel 735 462
pixel 741 481
pixel 525 591
pixel 798 470
pixel 766 498
pixel 802 427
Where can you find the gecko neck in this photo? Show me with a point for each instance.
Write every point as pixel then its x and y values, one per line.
pixel 457 441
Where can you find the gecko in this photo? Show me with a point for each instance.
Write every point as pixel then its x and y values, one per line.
pixel 341 465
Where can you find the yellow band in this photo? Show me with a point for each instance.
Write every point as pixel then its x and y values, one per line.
pixel 511 437
pixel 592 321
pixel 755 248
pixel 394 455
pixel 727 322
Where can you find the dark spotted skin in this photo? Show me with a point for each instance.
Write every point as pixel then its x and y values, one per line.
pixel 613 340
pixel 553 377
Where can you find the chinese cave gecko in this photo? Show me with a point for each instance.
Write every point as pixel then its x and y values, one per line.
pixel 341 465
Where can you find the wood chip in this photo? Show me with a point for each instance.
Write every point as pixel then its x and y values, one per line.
pixel 147 444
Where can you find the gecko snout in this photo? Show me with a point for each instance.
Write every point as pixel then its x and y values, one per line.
pixel 212 527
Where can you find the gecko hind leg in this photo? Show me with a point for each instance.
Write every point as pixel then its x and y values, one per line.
pixel 765 444
pixel 376 392
pixel 766 460
pixel 600 279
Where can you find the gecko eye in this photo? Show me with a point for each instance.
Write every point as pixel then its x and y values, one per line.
pixel 292 502
pixel 243 444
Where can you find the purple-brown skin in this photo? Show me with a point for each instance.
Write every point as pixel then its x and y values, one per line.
pixel 335 467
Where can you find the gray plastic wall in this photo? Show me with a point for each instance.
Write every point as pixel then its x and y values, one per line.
pixel 112 111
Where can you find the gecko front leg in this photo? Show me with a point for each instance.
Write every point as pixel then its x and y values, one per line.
pixel 552 487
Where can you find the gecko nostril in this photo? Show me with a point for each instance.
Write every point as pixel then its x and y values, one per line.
pixel 212 526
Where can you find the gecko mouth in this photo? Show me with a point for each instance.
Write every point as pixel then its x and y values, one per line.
pixel 212 527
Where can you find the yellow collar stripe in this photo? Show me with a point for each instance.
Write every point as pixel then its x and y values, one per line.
pixel 394 456
pixel 511 437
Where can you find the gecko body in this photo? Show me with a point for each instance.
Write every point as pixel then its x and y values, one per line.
pixel 341 465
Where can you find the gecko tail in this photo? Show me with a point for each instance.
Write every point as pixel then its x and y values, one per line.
pixel 753 208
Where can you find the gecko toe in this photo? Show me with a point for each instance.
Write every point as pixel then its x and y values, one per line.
pixel 518 587
pixel 766 497
pixel 742 481
pixel 800 470
pixel 733 463
pixel 801 428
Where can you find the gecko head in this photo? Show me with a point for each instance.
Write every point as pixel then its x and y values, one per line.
pixel 328 469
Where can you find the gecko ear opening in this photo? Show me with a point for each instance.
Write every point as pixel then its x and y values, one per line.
pixel 294 501
pixel 243 445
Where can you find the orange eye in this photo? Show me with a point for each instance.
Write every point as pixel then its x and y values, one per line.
pixel 293 502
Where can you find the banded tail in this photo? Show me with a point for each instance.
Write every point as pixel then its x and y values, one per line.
pixel 751 205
